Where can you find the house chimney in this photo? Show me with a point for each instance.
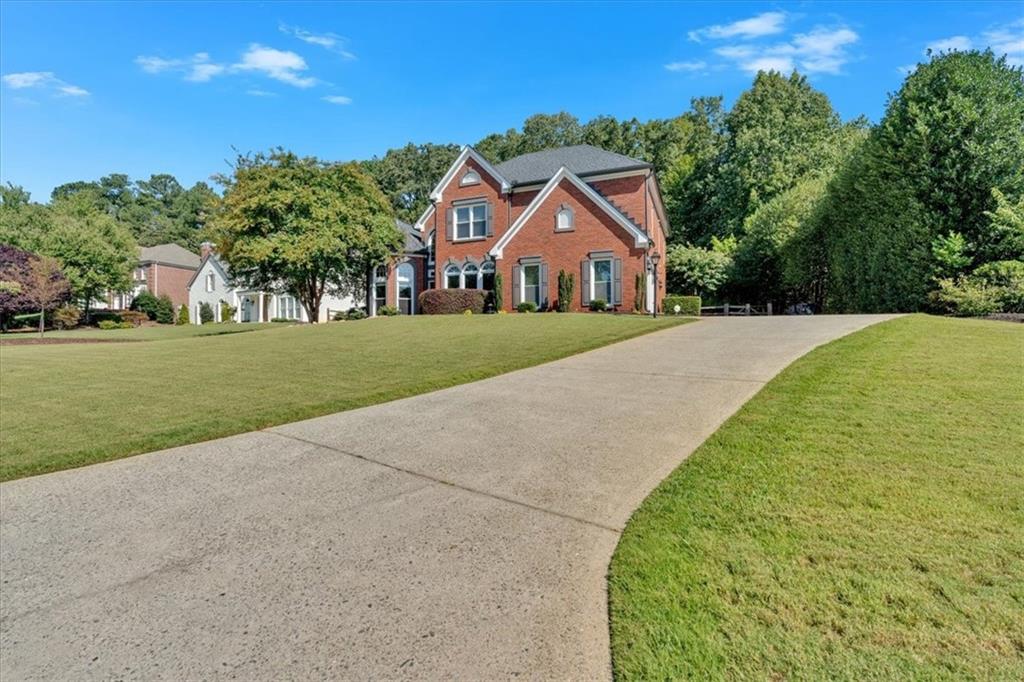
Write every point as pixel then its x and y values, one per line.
pixel 205 249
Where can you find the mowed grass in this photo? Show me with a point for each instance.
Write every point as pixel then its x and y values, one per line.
pixel 862 518
pixel 63 406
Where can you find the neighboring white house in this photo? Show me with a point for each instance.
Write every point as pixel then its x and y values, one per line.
pixel 212 285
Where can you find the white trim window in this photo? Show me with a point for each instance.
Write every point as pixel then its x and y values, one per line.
pixel 209 282
pixel 601 279
pixel 287 307
pixel 380 288
pixel 452 277
pixel 405 294
pixel 470 277
pixel 470 178
pixel 471 221
pixel 487 276
pixel 565 219
pixel 531 291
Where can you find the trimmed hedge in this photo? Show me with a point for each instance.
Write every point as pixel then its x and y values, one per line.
pixel 688 305
pixel 452 301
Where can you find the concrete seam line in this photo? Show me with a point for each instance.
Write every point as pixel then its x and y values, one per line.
pixel 450 484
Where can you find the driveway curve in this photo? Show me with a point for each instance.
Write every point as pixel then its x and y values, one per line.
pixel 462 534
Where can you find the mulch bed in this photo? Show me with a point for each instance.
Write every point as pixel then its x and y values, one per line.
pixel 54 342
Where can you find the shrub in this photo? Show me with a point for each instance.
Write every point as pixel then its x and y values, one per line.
pixel 350 314
pixel 183 317
pixel 566 285
pixel 452 301
pixel 968 297
pixel 164 310
pixel 527 307
pixel 387 311
pixel 688 305
pixel 499 292
pixel 1008 275
pixel 467 311
pixel 598 304
pixel 111 324
pixel 133 317
pixel 282 320
pixel 147 303
pixel 227 312
pixel 205 313
pixel 98 316
pixel 67 316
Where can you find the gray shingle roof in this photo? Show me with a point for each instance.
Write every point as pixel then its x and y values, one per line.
pixel 413 239
pixel 581 159
pixel 169 254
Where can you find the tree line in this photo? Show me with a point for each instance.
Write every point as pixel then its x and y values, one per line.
pixel 775 199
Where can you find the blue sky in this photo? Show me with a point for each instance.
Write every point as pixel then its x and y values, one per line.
pixel 91 89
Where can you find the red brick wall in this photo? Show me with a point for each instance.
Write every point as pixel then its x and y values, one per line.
pixel 170 280
pixel 594 230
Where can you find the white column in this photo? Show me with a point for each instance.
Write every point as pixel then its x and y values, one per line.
pixel 259 313
pixel 238 306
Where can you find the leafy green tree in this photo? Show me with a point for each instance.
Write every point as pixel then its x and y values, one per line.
pixel 303 226
pixel 183 316
pixel 952 134
pixel 407 175
pixel 697 270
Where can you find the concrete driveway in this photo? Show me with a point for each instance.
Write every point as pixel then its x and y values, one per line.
pixel 460 534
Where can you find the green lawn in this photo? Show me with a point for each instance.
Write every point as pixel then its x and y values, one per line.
pixel 148 333
pixel 861 518
pixel 67 405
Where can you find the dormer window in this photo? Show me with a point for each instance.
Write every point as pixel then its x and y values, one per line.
pixel 565 219
pixel 470 178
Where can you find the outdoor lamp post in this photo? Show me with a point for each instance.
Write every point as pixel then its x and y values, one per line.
pixel 655 259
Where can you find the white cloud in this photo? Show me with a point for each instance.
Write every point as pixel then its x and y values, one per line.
pixel 281 65
pixel 686 66
pixel 45 80
pixel 1009 41
pixel 197 68
pixel 768 23
pixel 337 99
pixel 954 43
pixel 256 92
pixel 822 50
pixel 328 41
pixel 906 69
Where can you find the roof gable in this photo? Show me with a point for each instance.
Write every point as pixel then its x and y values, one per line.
pixel 468 153
pixel 215 265
pixel 640 238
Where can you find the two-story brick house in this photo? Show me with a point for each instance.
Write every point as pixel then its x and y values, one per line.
pixel 581 209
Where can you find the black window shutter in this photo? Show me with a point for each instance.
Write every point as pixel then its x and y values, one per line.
pixel 585 281
pixel 516 296
pixel 490 219
pixel 544 285
pixel 448 228
pixel 617 275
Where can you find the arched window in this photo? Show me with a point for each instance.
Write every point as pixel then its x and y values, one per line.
pixel 470 178
pixel 404 279
pixel 470 277
pixel 565 218
pixel 487 276
pixel 452 275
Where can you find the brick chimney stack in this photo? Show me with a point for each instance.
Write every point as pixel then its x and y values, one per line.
pixel 205 249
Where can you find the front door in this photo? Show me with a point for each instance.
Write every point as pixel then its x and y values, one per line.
pixel 404 277
pixel 248 309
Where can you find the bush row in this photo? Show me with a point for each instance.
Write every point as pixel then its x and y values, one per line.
pixel 688 305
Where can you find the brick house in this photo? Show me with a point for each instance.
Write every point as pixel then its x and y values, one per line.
pixel 581 209
pixel 162 269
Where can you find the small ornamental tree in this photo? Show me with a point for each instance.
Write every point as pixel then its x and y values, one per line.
pixel 13 282
pixel 205 313
pixel 46 286
pixel 303 226
pixel 183 315
pixel 147 303
pixel 499 292
pixel 566 285
pixel 227 312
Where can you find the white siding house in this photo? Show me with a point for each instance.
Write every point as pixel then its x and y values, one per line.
pixel 211 285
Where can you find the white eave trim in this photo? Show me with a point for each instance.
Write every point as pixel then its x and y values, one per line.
pixel 422 222
pixel 468 153
pixel 588 178
pixel 640 239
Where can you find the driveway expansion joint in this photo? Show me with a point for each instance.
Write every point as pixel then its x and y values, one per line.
pixel 450 484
